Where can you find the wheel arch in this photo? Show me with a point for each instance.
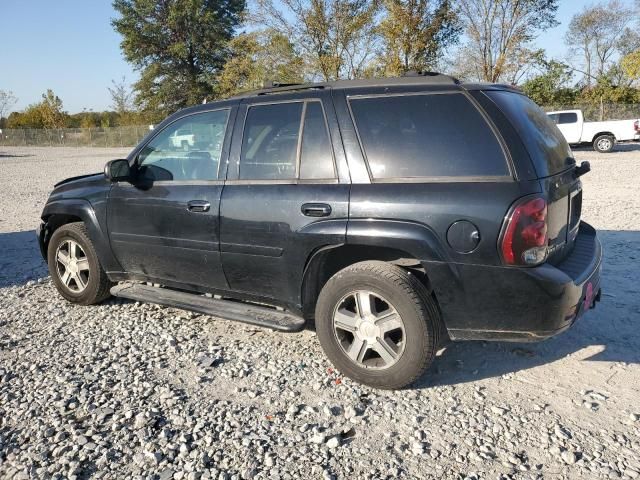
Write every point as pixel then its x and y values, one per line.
pixel 63 212
pixel 603 133
pixel 327 261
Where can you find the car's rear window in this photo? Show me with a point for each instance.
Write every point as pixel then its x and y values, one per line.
pixel 426 136
pixel 545 143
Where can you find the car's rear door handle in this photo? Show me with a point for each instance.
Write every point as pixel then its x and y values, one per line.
pixel 198 206
pixel 316 209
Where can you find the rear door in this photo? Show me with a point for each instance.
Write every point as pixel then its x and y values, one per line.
pixel 286 194
pixel 164 225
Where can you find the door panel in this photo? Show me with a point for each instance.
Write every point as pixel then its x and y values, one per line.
pixel 154 234
pixel 266 239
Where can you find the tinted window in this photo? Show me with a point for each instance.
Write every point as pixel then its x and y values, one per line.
pixel 188 149
pixel 270 142
pixel 570 117
pixel 554 117
pixel 441 135
pixel 544 142
pixel 316 160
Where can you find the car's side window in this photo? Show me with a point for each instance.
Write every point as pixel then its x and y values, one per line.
pixel 426 136
pixel 270 142
pixel 568 117
pixel 275 147
pixel 316 159
pixel 187 149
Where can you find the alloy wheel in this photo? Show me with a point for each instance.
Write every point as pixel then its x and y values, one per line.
pixel 369 330
pixel 72 266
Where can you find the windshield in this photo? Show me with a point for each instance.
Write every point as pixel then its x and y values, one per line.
pixel 544 142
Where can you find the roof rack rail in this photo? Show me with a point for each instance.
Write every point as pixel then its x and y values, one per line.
pixel 421 73
pixel 275 84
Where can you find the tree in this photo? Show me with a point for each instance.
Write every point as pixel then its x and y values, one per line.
pixel 597 34
pixel 256 57
pixel 179 46
pixel 631 65
pixel 7 102
pixel 337 38
pixel 414 34
pixel 121 97
pixel 551 87
pixel 499 32
pixel 47 113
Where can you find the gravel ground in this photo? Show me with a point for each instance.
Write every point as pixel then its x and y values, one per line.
pixel 129 390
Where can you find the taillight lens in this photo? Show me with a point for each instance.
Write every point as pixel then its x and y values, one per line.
pixel 524 239
pixel 636 126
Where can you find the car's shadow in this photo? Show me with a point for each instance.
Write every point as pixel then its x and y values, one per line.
pixel 15 155
pixel 611 331
pixel 619 148
pixel 20 259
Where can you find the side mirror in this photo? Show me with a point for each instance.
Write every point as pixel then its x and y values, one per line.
pixel 117 170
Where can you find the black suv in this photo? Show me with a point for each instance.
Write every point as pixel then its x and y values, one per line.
pixel 390 211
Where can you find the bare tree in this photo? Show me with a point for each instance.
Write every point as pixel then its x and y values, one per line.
pixel 598 34
pixel 7 102
pixel 337 38
pixel 121 96
pixel 499 33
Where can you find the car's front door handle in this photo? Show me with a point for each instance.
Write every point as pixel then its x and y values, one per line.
pixel 316 209
pixel 198 206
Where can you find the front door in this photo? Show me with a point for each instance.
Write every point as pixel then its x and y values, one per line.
pixel 284 197
pixel 164 224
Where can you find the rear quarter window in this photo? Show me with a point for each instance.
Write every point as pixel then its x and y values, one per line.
pixel 426 135
pixel 545 144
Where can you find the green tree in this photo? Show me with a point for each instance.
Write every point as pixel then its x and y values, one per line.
pixel 337 38
pixel 48 113
pixel 499 33
pixel 179 46
pixel 257 57
pixel 630 64
pixel 415 32
pixel 551 87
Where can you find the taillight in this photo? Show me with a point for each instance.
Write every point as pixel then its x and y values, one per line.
pixel 636 126
pixel 524 237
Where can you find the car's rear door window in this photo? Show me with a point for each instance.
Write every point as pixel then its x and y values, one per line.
pixel 275 147
pixel 316 158
pixel 546 145
pixel 426 136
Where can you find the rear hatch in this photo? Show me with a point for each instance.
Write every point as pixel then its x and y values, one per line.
pixel 554 165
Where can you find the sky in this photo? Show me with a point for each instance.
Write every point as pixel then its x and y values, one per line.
pixel 70 47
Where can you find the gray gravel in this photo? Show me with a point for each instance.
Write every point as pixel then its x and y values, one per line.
pixel 129 390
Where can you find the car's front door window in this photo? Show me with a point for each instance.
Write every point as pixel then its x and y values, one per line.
pixel 188 149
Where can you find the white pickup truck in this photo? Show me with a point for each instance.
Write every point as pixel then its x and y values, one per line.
pixel 602 135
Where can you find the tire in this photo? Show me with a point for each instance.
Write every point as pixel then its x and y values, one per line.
pixel 604 143
pixel 388 288
pixel 86 282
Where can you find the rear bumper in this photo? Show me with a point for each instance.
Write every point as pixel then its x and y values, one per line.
pixel 530 304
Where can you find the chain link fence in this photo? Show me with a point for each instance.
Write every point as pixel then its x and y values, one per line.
pixel 128 136
pixel 601 112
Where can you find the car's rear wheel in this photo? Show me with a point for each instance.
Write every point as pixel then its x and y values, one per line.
pixel 378 324
pixel 74 266
pixel 604 143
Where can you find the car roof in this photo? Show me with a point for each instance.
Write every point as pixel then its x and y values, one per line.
pixel 410 79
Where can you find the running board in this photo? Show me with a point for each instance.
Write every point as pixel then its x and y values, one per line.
pixel 227 309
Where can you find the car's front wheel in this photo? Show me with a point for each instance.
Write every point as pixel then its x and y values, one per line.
pixel 378 324
pixel 74 266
